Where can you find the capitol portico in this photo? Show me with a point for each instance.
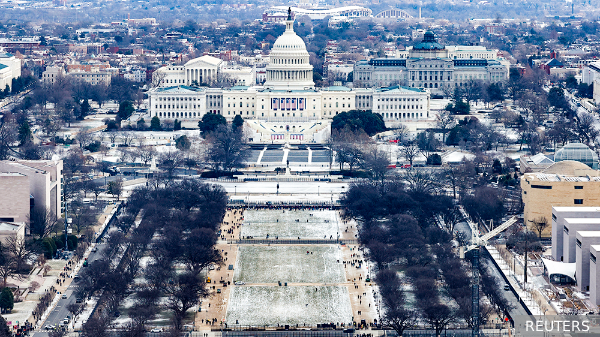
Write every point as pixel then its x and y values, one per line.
pixel 288 107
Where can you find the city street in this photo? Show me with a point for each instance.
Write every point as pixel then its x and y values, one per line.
pixel 516 307
pixel 60 312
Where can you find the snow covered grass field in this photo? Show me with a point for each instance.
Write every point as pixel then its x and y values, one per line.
pixel 269 264
pixel 283 224
pixel 262 305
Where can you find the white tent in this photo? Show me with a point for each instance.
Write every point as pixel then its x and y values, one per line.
pixel 556 270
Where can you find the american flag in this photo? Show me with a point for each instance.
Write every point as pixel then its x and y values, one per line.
pixel 293 104
pixel 275 104
pixel 288 105
pixel 282 105
pixel 301 103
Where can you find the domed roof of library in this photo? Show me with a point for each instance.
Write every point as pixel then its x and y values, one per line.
pixel 428 43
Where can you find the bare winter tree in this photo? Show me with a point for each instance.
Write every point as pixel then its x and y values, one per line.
pixel 376 163
pixel 401 133
pixel 410 152
pixel 112 136
pixel 128 137
pixel 146 153
pixel 84 137
pixel 226 148
pixel 42 221
pixel 20 251
pixel 7 265
pixel 586 128
pixel 157 78
pixel 539 224
pixel 445 121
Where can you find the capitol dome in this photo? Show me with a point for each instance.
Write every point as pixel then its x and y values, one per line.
pixel 289 41
pixel 289 67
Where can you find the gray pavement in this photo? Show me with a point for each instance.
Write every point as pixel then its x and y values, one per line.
pixel 485 260
pixel 60 312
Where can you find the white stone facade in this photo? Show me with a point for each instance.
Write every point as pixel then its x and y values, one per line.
pixel 203 71
pixel 52 73
pixel 287 98
pixel 10 68
pixel 590 73
pixel 432 66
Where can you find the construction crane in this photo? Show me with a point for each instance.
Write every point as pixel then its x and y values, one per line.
pixel 476 242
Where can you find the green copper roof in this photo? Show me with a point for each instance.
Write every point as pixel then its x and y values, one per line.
pixel 429 43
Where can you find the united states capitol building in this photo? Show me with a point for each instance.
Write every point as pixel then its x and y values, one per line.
pixel 288 107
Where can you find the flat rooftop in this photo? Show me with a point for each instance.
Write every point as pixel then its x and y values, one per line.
pixel 590 234
pixel 583 220
pixel 11 174
pixel 576 209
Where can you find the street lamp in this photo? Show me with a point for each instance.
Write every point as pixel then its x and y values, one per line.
pixel 318 190
pixel 67 222
pixel 235 190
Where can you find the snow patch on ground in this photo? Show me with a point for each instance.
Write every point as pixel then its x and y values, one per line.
pixel 270 264
pixel 283 224
pixel 270 306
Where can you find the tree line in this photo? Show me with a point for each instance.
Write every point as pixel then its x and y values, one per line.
pixel 186 215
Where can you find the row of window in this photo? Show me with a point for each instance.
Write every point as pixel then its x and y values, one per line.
pixel 548 187
pixel 403 99
pixel 177 99
pixel 404 115
pixel 174 106
pixel 287 61
pixel 178 114
pixel 241 105
pixel 403 107
pixel 337 105
pixel 430 66
pixel 241 98
pixel 431 78
pixel 173 81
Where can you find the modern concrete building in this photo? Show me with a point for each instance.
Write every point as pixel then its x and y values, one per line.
pixel 570 229
pixel 12 229
pixel 14 197
pixel 45 181
pixel 583 241
pixel 594 274
pixel 537 163
pixel 559 214
pixel 566 183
